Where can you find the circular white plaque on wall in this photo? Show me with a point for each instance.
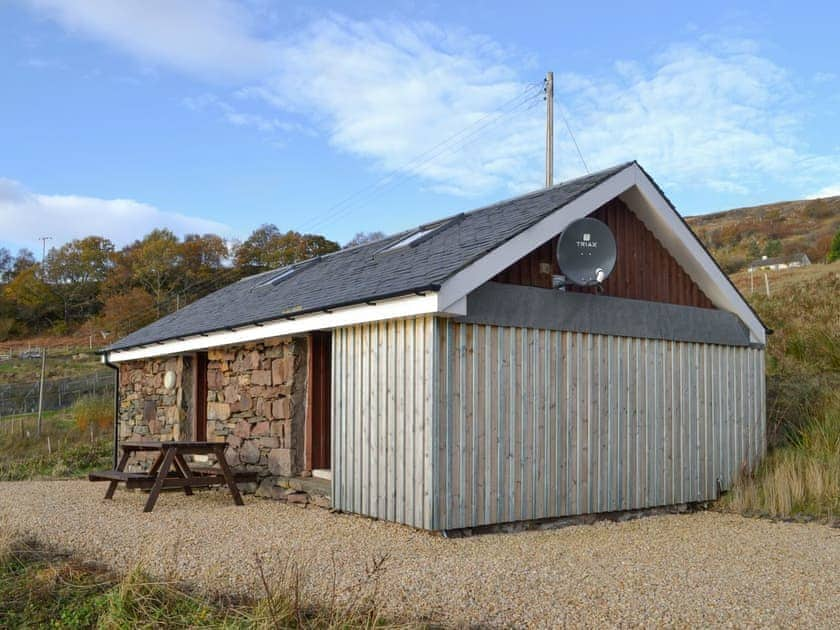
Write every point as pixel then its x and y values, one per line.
pixel 169 379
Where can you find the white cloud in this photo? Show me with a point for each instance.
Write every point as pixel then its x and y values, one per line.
pixel 828 191
pixel 712 113
pixel 24 216
pixel 381 90
pixel 213 38
pixel 238 118
pixel 716 114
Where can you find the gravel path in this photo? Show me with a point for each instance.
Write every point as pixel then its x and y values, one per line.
pixel 693 569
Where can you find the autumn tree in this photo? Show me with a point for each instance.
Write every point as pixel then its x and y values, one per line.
pixel 155 264
pixel 125 312
pixel 24 260
pixel 74 272
pixel 35 305
pixel 202 257
pixel 268 248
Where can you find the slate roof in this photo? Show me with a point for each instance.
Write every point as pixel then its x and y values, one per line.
pixel 367 272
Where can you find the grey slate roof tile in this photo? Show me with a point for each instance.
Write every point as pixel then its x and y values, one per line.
pixel 366 272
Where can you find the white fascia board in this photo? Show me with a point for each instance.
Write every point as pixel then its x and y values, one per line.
pixel 639 192
pixel 660 218
pixel 473 276
pixel 408 306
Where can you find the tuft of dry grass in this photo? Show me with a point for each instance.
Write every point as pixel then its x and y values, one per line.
pixel 40 586
pixel 802 478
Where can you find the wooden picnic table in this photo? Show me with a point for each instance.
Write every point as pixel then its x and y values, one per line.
pixel 171 470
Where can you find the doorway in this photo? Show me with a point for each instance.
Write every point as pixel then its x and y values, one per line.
pixel 199 397
pixel 318 403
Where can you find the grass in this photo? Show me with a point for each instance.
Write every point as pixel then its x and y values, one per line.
pixel 799 479
pixel 42 587
pixel 60 364
pixel 70 444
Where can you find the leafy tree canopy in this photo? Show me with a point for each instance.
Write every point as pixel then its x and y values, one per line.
pixel 268 248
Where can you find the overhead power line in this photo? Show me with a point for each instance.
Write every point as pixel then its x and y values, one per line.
pixel 572 136
pixel 524 101
pixel 409 169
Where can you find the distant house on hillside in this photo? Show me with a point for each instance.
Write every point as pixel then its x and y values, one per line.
pixel 780 262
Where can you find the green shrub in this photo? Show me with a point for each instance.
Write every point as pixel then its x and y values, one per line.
pixel 834 248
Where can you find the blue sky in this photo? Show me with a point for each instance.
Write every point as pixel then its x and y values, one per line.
pixel 116 117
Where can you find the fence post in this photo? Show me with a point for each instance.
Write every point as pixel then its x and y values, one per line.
pixel 41 389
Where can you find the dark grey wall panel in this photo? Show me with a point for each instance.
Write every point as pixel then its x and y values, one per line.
pixel 530 307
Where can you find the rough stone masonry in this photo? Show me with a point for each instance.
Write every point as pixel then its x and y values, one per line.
pixel 255 403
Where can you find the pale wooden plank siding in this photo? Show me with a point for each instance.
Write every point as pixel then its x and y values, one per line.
pixel 442 425
pixel 382 420
pixel 537 423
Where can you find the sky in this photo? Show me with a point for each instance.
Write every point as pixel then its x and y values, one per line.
pixel 339 117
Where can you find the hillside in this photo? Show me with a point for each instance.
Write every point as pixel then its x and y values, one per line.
pixel 738 236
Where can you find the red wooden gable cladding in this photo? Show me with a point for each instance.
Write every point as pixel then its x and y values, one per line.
pixel 644 270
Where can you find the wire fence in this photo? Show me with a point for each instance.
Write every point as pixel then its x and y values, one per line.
pixel 59 393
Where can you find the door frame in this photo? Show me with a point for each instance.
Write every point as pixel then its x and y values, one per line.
pixel 317 433
pixel 199 418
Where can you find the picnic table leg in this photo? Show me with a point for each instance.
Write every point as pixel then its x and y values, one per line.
pixel 112 485
pixel 229 479
pixel 153 470
pixel 163 471
pixel 185 471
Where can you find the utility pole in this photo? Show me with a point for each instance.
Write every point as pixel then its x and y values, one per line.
pixel 41 389
pixel 549 129
pixel 43 240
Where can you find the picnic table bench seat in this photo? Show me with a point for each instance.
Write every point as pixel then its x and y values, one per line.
pixel 171 470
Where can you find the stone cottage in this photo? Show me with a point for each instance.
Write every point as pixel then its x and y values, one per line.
pixel 452 376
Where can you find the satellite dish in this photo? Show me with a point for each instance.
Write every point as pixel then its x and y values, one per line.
pixel 586 252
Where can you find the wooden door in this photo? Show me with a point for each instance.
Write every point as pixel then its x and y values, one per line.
pixel 318 395
pixel 200 396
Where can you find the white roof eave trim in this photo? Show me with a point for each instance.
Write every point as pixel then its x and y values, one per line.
pixel 406 306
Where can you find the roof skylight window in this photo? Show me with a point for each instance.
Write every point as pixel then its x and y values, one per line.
pixel 407 240
pixel 281 276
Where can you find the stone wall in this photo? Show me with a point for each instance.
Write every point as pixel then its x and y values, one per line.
pixel 149 410
pixel 255 403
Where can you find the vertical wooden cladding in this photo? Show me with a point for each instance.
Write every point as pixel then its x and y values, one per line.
pixel 535 423
pixel 382 406
pixel 644 269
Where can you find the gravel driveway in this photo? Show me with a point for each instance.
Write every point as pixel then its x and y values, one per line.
pixel 675 570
